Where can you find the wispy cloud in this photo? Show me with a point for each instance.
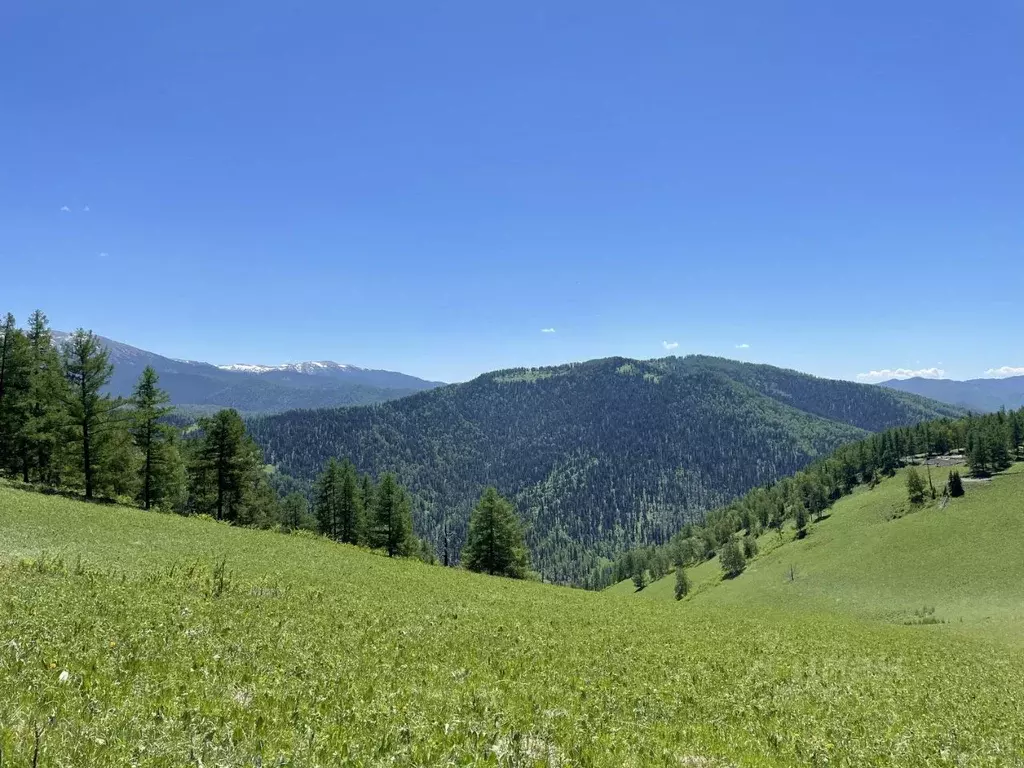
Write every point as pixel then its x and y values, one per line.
pixel 65 209
pixel 1006 370
pixel 547 330
pixel 670 344
pixel 743 346
pixel 103 254
pixel 86 209
pixel 901 373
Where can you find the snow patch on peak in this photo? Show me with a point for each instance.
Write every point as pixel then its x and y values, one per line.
pixel 308 367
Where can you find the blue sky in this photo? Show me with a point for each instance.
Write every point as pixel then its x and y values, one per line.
pixel 426 186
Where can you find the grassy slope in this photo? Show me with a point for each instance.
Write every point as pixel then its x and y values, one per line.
pixel 319 654
pixel 876 559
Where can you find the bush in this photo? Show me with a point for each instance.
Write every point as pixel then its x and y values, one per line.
pixel 682 583
pixel 915 486
pixel 732 559
pixel 955 486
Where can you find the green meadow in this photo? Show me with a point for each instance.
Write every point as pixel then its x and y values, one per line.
pixel 135 638
pixel 958 564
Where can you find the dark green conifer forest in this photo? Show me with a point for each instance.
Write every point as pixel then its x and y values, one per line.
pixel 587 473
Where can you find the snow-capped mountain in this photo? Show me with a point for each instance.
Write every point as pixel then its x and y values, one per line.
pixel 311 367
pixel 257 388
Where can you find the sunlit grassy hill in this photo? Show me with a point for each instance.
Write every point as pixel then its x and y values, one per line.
pixel 134 638
pixel 877 557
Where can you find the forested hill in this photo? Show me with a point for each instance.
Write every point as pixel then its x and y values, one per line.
pixel 598 456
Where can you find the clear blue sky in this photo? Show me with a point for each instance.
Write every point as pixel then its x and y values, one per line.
pixel 425 186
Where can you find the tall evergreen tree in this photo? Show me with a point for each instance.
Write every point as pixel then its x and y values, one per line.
pixel 93 415
pixel 47 393
pixel 295 512
pixel 225 472
pixel 495 542
pixel 15 387
pixel 392 519
pixel 915 486
pixel 151 435
pixel 328 499
pixel 351 518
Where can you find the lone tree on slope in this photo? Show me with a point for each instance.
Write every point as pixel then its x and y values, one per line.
pixel 495 543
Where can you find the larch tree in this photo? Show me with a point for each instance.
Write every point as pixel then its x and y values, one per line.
pixel 150 433
pixel 225 467
pixel 92 414
pixel 495 541
pixel 391 529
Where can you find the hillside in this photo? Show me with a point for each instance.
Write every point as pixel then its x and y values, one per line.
pixel 598 456
pixel 981 395
pixel 877 558
pixel 256 389
pixel 140 638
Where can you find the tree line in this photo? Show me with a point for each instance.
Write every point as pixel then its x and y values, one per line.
pixel 60 429
pixel 988 443
pixel 598 456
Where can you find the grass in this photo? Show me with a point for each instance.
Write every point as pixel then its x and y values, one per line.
pixel 879 558
pixel 133 638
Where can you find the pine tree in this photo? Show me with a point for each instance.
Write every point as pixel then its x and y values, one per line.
pixel 955 486
pixel 495 541
pixel 682 583
pixel 915 486
pixel 392 519
pixel 93 415
pixel 732 560
pixel 149 404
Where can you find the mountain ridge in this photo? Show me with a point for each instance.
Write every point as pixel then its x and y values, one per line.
pixel 984 395
pixel 598 455
pixel 196 385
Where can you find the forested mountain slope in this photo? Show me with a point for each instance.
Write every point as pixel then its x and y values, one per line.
pixel 982 395
pixel 598 456
pixel 256 389
pixel 877 556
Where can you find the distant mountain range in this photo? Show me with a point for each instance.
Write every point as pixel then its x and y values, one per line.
pixel 257 388
pixel 598 456
pixel 982 395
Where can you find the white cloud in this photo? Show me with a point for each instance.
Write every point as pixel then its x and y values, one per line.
pixel 86 209
pixel 65 209
pixel 103 254
pixel 901 373
pixel 743 346
pixel 670 344
pixel 547 330
pixel 1006 370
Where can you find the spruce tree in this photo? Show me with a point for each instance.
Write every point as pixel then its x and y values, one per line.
pixel 802 519
pixel 150 406
pixel 93 415
pixel 495 541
